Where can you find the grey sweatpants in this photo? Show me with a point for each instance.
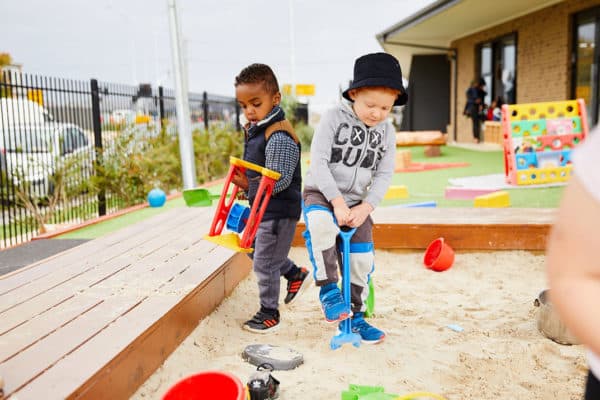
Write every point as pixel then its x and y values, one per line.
pixel 270 257
pixel 325 245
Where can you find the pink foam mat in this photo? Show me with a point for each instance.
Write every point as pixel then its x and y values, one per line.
pixel 465 193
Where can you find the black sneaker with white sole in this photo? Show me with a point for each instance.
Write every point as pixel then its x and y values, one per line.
pixel 296 285
pixel 263 322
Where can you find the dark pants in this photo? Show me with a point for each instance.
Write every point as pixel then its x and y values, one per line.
pixel 592 387
pixel 476 123
pixel 270 258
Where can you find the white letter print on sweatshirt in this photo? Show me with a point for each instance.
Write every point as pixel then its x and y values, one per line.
pixel 349 145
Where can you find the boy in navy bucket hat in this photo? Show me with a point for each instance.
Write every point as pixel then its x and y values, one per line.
pixel 352 160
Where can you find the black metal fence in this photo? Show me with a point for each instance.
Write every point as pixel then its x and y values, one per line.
pixel 53 132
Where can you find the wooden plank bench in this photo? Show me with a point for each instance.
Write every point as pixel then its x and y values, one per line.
pixel 432 140
pixel 97 320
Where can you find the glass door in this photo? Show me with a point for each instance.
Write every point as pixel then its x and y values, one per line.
pixel 485 54
pixel 585 56
pixel 507 74
pixel 498 66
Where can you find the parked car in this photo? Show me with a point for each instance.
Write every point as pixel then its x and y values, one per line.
pixel 32 155
pixel 19 111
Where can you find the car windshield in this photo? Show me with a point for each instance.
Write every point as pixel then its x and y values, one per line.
pixel 37 140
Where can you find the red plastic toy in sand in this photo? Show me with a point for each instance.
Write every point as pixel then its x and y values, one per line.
pixel 250 224
pixel 207 385
pixel 439 256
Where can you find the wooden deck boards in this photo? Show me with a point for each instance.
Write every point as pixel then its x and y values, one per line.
pixel 83 274
pixel 67 318
pixel 96 320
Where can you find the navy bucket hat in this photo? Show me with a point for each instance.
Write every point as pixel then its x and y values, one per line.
pixel 378 69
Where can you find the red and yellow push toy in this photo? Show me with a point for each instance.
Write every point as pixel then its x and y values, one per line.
pixel 237 217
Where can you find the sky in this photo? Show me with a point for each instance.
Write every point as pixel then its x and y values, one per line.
pixel 127 41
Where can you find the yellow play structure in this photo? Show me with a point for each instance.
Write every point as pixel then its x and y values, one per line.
pixel 539 138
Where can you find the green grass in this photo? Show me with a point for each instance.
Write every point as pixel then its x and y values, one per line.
pixel 422 186
pixel 102 228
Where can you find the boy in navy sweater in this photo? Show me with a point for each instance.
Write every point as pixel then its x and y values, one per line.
pixel 270 142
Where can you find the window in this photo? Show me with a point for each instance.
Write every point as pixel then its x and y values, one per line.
pixel 486 69
pixel 585 69
pixel 72 139
pixel 497 61
pixel 79 139
pixel 66 142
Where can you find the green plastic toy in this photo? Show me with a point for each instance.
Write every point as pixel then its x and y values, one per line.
pixel 370 303
pixel 363 392
pixel 199 197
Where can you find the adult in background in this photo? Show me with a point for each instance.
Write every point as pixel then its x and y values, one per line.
pixel 475 105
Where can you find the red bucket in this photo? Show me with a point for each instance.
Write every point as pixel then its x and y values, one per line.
pixel 438 256
pixel 207 385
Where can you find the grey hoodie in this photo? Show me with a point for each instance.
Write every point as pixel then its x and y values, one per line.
pixel 351 160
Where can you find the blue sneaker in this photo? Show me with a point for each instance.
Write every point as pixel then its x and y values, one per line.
pixel 333 304
pixel 368 333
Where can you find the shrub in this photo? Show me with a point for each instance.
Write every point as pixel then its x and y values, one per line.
pixel 213 149
pixel 135 164
pixel 303 131
pixel 305 134
pixel 65 184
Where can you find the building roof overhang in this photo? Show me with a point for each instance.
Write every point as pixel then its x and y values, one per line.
pixel 432 29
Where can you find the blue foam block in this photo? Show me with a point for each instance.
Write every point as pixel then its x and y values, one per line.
pixel 422 204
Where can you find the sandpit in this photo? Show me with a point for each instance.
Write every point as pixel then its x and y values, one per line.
pixel 489 295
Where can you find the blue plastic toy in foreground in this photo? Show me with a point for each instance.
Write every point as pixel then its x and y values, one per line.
pixel 345 335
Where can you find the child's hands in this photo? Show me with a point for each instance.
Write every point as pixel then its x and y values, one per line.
pixel 341 214
pixel 358 214
pixel 340 210
pixel 240 179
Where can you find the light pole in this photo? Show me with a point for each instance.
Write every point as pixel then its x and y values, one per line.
pixel 186 148
pixel 292 48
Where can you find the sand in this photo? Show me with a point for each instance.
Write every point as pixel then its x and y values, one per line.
pixel 490 295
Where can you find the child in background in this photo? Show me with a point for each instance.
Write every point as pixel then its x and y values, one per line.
pixel 494 111
pixel 270 142
pixel 352 162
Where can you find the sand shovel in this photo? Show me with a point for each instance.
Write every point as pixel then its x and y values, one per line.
pixel 199 197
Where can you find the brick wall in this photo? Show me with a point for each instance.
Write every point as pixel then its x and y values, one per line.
pixel 544 40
